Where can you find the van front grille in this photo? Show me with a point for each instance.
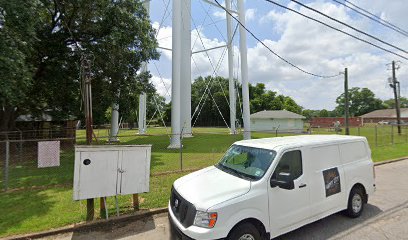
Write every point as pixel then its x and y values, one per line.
pixel 182 209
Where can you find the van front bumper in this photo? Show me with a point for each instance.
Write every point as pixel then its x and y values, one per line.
pixel 178 231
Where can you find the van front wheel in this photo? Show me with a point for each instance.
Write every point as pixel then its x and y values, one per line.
pixel 355 203
pixel 245 231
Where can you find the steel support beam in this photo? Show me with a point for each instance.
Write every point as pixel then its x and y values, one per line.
pixel 244 71
pixel 175 82
pixel 232 93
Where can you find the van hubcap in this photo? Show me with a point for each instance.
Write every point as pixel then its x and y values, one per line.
pixel 247 237
pixel 357 203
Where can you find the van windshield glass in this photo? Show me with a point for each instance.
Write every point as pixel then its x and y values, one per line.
pixel 246 162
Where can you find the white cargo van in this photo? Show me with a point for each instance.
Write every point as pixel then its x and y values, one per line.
pixel 263 188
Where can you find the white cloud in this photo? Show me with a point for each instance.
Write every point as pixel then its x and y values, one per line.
pixel 310 46
pixel 250 14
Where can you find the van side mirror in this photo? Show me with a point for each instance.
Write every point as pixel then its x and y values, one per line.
pixel 284 182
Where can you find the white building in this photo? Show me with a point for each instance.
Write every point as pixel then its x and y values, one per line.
pixel 280 120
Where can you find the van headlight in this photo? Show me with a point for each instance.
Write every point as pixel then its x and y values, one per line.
pixel 205 219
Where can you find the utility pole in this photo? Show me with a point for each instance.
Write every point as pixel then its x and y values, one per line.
pixel 346 103
pixel 395 84
pixel 87 98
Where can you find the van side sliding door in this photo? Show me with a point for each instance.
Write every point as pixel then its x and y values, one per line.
pixel 327 180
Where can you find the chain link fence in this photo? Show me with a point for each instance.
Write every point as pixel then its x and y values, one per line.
pixel 41 196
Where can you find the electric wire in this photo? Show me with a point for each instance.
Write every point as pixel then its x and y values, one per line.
pixel 375 19
pixel 273 52
pixel 339 30
pixel 348 25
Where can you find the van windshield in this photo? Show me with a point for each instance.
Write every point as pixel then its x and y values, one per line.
pixel 246 162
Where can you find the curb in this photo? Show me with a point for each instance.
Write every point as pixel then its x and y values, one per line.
pixel 122 219
pixel 390 161
pixel 101 223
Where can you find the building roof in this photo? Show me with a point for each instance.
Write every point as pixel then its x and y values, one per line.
pixel 298 141
pixel 276 114
pixel 385 113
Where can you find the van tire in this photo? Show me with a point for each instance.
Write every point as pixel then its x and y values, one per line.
pixel 245 231
pixel 355 204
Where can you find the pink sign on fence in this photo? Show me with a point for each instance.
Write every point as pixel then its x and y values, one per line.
pixel 48 154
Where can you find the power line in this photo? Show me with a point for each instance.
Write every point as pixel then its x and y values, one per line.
pixel 339 30
pixel 375 16
pixel 274 53
pixel 375 19
pixel 348 25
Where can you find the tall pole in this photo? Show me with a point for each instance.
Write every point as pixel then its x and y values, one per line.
pixel 143 97
pixel 396 97
pixel 230 70
pixel 175 86
pixel 346 103
pixel 244 70
pixel 142 113
pixel 114 123
pixel 185 68
pixel 86 69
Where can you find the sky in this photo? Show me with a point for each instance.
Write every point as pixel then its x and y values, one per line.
pixel 307 44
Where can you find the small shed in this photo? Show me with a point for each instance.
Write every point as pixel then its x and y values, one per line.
pixel 277 120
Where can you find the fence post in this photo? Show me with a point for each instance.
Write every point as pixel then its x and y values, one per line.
pixel 392 134
pixel 6 165
pixel 181 151
pixel 376 137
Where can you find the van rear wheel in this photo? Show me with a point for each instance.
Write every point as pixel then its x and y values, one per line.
pixel 245 231
pixel 355 203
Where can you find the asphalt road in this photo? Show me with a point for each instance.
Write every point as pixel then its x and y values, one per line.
pixel 384 217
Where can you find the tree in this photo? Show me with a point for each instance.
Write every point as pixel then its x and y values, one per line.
pixel 390 103
pixel 17 36
pixel 207 113
pixel 361 101
pixel 115 35
pixel 324 113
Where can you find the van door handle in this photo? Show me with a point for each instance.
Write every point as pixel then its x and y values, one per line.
pixel 302 185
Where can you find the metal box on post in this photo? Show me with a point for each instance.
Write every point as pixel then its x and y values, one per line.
pixel 110 170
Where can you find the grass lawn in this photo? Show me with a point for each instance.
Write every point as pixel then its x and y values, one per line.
pixel 25 211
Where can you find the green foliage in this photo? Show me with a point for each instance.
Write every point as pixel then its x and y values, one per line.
pixel 50 38
pixel 361 101
pixel 260 99
pixel 390 103
pixel 17 36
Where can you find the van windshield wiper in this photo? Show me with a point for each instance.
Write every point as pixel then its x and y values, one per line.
pixel 234 172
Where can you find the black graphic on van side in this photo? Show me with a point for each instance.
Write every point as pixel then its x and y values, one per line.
pixel 331 181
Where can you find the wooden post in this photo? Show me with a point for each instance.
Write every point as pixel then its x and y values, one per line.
pixel 89 209
pixel 136 202
pixel 102 210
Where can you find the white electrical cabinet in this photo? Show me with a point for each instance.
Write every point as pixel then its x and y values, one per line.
pixel 110 170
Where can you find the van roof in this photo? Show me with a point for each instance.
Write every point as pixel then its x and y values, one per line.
pixel 297 141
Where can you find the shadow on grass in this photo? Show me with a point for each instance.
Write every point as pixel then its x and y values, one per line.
pixel 32 210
